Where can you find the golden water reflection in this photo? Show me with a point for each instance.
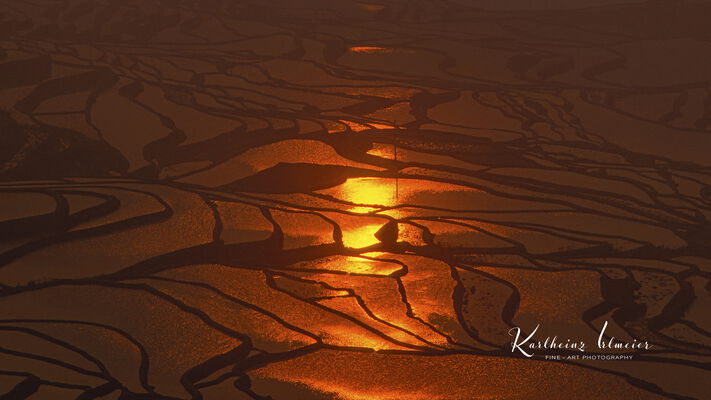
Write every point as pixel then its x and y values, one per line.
pixel 361 236
pixel 378 199
pixel 370 49
pixel 369 194
pixel 381 192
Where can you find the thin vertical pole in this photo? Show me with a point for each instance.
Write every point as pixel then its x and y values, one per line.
pixel 397 186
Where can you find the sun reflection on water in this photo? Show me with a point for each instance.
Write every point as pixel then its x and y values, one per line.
pixel 370 194
pixel 361 236
pixel 370 191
